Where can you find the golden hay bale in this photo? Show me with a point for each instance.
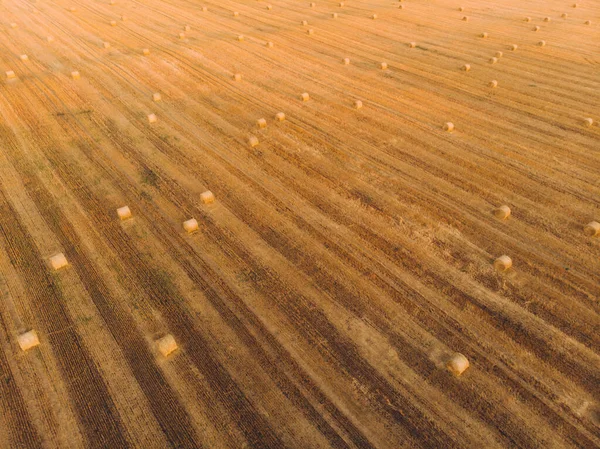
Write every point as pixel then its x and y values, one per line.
pixel 502 263
pixel 166 345
pixel 466 67
pixel 123 18
pixel 483 35
pixel 312 5
pixel 547 19
pixel 499 54
pixel 412 44
pixel 461 9
pixel 374 16
pixel 236 14
pixel 145 51
pixel 358 104
pixel 457 364
pixel 24 58
pixel 269 44
pixel 383 66
pixel 400 7
pixel 187 28
pixel 340 4
pixel 237 77
pixel 502 212
pixel 50 39
pixel 58 261
pixel 261 123
pixel 72 9
pixel 564 15
pixel 269 7
pixel 592 229
pixel 449 127
pixel 536 28
pixel 493 84
pixel 310 31
pixel 304 96
pixel 527 19
pixel 14 25
pixel 574 5
pixel 106 44
pixel 541 43
pixel 240 38
pixel 10 75
pixel 28 340
pixel 334 15
pixel 207 197
pixel 124 213
pixel 190 225
pixel 493 60
pixel 204 9
pixel 112 2
pixel 304 23
pixel 513 47
pixel 152 118
pixel 587 122
pixel 280 116
pixel 113 23
pixel 75 75
pixel 588 22
pixel 156 97
pixel 253 141
pixel 465 19
pixel 181 36
pixel 346 61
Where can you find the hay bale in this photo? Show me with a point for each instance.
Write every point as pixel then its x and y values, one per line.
pixel 204 9
pixel 187 28
pixel 499 54
pixel 536 28
pixel 457 364
pixel 493 60
pixel 152 118
pixel 334 15
pixel 340 4
pixel 10 75
pixel 181 36
pixel 358 104
pixel 280 116
pixel 465 19
pixel 483 35
pixel 106 44
pixel 466 67
pixel 310 31
pixel 502 263
pixel 156 97
pixel 400 7
pixel 449 127
pixel 412 44
pixel 237 77
pixel 304 23
pixel 592 229
pixel 541 43
pixel 587 122
pixel 190 225
pixel 461 8
pixel 547 19
pixel 207 197
pixel 50 39
pixel 113 23
pixel 346 61
pixel 124 213
pixel 240 38
pixel 564 15
pixel 587 22
pixel 123 18
pixel 145 51
pixel 112 2
pixel 28 340
pixel 58 261
pixel 304 96
pixel 236 14
pixel 383 66
pixel 269 44
pixel 513 47
pixel 24 58
pixel 374 16
pixel 574 5
pixel 261 123
pixel 493 84
pixel 75 75
pixel 14 25
pixel 312 5
pixel 166 345
pixel 269 7
pixel 502 212
pixel 253 141
pixel 527 19
pixel 72 9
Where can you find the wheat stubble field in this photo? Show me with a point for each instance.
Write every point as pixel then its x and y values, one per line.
pixel 350 250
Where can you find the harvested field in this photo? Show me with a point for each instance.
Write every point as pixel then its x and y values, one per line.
pixel 288 225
